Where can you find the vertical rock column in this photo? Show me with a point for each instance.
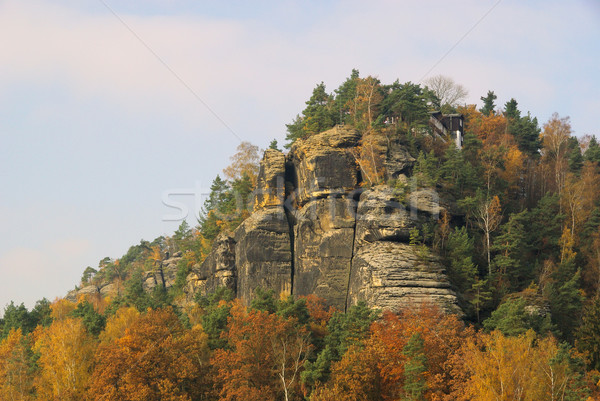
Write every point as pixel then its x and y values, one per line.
pixel 327 176
pixel 263 253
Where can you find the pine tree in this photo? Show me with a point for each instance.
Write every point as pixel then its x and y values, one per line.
pixel 462 270
pixel 588 334
pixel 414 368
pixel 488 103
pixel 592 153
pixel 318 116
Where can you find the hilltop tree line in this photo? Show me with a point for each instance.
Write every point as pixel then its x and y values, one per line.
pixel 521 246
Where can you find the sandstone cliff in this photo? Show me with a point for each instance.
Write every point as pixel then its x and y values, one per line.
pixel 314 230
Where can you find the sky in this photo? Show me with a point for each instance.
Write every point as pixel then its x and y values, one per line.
pixel 112 110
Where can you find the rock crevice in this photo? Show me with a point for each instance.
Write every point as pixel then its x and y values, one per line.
pixel 314 230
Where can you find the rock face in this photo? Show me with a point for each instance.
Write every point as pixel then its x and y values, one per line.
pixel 314 230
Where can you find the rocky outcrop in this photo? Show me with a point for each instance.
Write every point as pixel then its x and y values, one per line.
pixel 323 165
pixel 315 231
pixel 263 256
pixel 324 236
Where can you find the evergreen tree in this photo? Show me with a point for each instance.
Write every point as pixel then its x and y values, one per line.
pixel 592 153
pixel 92 320
pixel 344 330
pixel 409 102
pixel 588 334
pixel 488 103
pixel 343 98
pixel 566 300
pixel 17 317
pixel 415 367
pixel 317 117
pixel 512 319
pixel 511 246
pixel 216 310
pixel 511 110
pixel 526 130
pixel 462 270
pixel 575 156
pixel 545 227
pixel 273 144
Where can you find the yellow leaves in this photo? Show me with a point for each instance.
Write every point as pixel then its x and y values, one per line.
pixel 156 255
pixel 514 368
pixel 61 309
pixel 117 324
pixel 370 158
pixel 15 378
pixel 66 355
pixel 245 161
pixel 567 243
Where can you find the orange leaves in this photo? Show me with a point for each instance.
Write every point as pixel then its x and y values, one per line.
pixel 370 158
pixel 155 359
pixel 265 355
pixel 376 371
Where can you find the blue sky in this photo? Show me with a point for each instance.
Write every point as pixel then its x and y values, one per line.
pixel 95 129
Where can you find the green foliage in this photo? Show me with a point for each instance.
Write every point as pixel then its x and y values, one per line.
pixel 217 308
pixel 273 144
pixel 592 153
pixel 293 308
pixel 588 334
pixel 545 227
pixel 264 300
pixel 575 156
pixel 426 170
pixel 566 299
pixel 88 273
pixel 511 247
pixel 488 103
pixel 344 95
pixel 409 102
pixel 513 319
pixel 16 317
pixel 459 250
pixel 414 368
pixel 458 175
pixel 92 320
pixel 344 329
pixel 318 116
pixel 525 129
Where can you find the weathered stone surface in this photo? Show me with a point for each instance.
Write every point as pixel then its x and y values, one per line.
pixel 336 241
pixel 217 270
pixel 324 236
pixel 382 216
pixel 164 274
pixel 393 275
pixel 263 255
pixel 270 187
pixel 324 164
pixel 426 201
pixel 398 161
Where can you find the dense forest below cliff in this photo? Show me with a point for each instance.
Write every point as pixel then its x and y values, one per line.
pixel 520 243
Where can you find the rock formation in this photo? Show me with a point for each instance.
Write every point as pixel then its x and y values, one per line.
pixel 314 230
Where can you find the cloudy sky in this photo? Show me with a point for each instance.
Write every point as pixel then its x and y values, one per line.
pixel 108 107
